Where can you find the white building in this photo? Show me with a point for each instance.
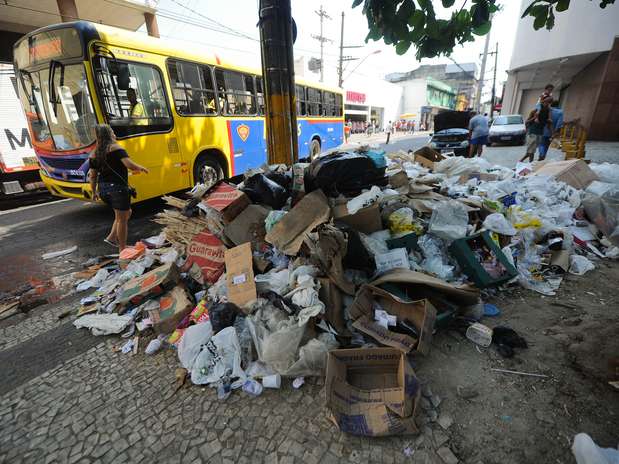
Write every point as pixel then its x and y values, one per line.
pixel 580 57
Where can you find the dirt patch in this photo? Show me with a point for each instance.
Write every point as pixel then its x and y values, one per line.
pixel 505 418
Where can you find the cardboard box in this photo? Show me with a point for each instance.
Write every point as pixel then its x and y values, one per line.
pixel 247 226
pixel 371 391
pixel 240 275
pixel 420 314
pixel 576 173
pixel 153 283
pixel 366 220
pixel 427 157
pixel 288 234
pixel 173 307
pixel 226 199
pixel 207 251
pixel 416 285
pixel 399 179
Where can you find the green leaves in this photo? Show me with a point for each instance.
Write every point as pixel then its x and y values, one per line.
pixel 404 23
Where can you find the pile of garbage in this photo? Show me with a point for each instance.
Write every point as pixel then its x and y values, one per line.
pixel 345 267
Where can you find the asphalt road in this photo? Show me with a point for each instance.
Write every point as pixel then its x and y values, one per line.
pixel 29 231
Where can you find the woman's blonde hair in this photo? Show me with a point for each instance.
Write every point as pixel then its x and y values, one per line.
pixel 105 138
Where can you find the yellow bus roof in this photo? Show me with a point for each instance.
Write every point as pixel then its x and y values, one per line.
pixel 133 40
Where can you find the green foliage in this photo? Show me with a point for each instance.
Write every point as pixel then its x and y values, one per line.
pixel 403 23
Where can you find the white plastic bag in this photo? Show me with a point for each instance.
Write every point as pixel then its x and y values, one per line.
pixel 435 261
pixel 587 452
pixel 103 324
pixel 276 281
pixel 449 220
pixel 276 337
pixel 220 357
pixel 496 222
pixel 363 200
pixel 606 172
pixel 580 265
pixel 191 343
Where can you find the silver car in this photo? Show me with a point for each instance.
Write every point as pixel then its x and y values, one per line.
pixel 507 129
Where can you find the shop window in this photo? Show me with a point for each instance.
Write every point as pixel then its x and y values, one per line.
pixel 193 88
pixel 236 93
pixel 133 97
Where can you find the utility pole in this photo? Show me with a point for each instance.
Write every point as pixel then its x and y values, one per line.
pixel 278 72
pixel 340 68
pixel 482 75
pixel 322 39
pixel 496 60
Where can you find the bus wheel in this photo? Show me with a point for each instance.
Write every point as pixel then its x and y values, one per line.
pixel 207 171
pixel 314 148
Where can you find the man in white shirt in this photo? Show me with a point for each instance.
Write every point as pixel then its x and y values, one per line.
pixel 388 130
pixel 478 133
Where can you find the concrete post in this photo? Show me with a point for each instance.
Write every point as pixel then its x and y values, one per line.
pixel 151 24
pixel 67 10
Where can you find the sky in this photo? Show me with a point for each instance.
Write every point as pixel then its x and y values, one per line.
pixel 229 29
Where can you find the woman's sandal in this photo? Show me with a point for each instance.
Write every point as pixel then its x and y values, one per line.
pixel 109 242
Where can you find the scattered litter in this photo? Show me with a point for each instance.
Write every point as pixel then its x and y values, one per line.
pixel 55 254
pixel 506 371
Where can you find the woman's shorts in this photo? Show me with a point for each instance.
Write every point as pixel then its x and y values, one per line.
pixel 115 196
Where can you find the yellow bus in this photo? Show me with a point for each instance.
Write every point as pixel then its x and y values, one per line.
pixel 188 117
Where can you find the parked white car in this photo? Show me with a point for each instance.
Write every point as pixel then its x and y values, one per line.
pixel 508 129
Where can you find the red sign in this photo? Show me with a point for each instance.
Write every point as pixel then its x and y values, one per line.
pixel 355 97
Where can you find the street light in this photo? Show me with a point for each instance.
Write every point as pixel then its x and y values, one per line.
pixel 375 52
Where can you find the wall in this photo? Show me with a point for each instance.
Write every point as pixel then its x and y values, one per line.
pixel 528 100
pixel 379 93
pixel 605 119
pixel 580 101
pixel 414 95
pixel 583 28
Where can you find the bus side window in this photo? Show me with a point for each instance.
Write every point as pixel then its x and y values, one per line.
pixel 315 101
pixel 236 92
pixel 141 107
pixel 192 86
pixel 301 100
pixel 260 95
pixel 329 106
pixel 338 104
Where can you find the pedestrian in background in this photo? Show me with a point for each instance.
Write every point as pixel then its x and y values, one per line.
pixel 109 181
pixel 478 134
pixel 536 122
pixel 388 130
pixel 556 119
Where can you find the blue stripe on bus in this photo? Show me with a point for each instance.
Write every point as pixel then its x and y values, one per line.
pixel 249 144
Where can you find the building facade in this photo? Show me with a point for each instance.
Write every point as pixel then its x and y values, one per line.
pixel 580 57
pixel 430 89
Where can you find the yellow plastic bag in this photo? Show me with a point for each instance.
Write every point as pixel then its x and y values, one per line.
pixel 402 222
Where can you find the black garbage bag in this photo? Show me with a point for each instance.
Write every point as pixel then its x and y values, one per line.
pixel 344 172
pixel 506 339
pixel 191 209
pixel 260 189
pixel 223 315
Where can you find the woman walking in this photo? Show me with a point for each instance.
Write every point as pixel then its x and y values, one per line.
pixel 109 164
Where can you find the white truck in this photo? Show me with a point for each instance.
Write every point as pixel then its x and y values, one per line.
pixel 19 169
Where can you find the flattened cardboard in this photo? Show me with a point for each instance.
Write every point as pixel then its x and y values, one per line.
pixel 427 157
pixel 330 295
pixel 226 199
pixel 240 275
pixel 207 251
pixel 421 314
pixel 366 220
pixel 576 173
pixel 288 234
pixel 399 179
pixel 173 307
pixel 247 226
pixel 462 295
pixel 372 391
pixel 153 283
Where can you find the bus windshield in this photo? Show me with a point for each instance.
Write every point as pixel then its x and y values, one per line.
pixel 62 113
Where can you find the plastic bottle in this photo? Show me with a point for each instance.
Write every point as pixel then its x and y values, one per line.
pixel 479 334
